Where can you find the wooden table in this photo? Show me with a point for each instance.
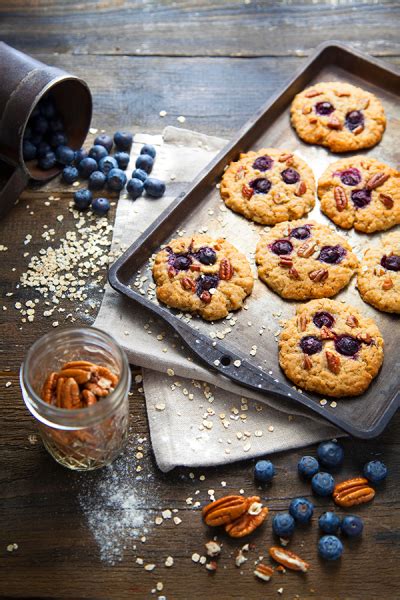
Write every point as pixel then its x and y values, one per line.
pixel 215 63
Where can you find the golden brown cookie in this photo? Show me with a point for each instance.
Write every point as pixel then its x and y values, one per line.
pixel 331 348
pixel 361 192
pixel 269 186
pixel 338 115
pixel 305 259
pixel 202 275
pixel 379 274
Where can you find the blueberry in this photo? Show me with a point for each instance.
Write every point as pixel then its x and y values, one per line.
pixel 148 149
pixel 83 199
pixel 104 140
pixel 144 162
pixel 100 206
pixel 48 161
pixel 98 152
pixel 97 180
pixel 376 471
pixel 134 187
pixel 28 150
pixel 290 176
pixel 329 522
pixel 180 262
pixel 154 187
pixel 261 185
pixel 361 198
pixel 264 471
pixel 36 138
pixel 307 466
pixel 352 525
pixel 392 262
pixel 122 159
pixel 70 174
pixel 56 125
pixel 80 155
pixel 301 233
pixel 123 140
pixel 65 155
pixel 205 283
pixel 47 108
pixel 86 167
pixel 281 247
pixel 40 124
pixel 330 547
pixel 330 454
pixel 139 174
pixel 350 176
pixel 323 319
pixel 58 139
pixel 116 180
pixel 107 163
pixel 310 345
pixel 42 149
pixel 301 509
pixel 332 255
pixel 324 108
pixel 206 255
pixel 283 525
pixel 263 163
pixel 354 119
pixel 28 132
pixel 322 484
pixel 347 345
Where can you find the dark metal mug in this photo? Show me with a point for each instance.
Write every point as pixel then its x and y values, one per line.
pixel 23 82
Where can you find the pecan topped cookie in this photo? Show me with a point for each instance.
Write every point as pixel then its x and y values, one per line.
pixel 269 186
pixel 338 115
pixel 305 259
pixel 329 347
pixel 379 274
pixel 361 192
pixel 202 275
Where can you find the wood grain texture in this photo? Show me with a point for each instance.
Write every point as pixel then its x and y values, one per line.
pixel 186 71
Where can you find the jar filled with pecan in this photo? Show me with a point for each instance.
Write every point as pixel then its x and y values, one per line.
pixel 75 382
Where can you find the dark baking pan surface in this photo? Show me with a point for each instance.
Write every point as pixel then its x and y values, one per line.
pixel 364 416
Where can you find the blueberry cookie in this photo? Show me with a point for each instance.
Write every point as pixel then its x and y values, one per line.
pixel 331 348
pixel 269 186
pixel 304 259
pixel 379 274
pixel 338 115
pixel 202 275
pixel 361 192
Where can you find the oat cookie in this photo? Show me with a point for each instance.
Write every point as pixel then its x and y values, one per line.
pixel 202 275
pixel 269 186
pixel 305 259
pixel 361 192
pixel 338 115
pixel 379 274
pixel 331 348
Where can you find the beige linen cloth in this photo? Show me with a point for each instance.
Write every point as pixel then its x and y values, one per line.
pixel 196 417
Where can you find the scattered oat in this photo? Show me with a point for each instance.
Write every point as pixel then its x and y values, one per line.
pixel 181 119
pixel 195 557
pixel 150 567
pixel 8 384
pixel 93 130
pixel 169 561
pixel 163 113
pixel 177 520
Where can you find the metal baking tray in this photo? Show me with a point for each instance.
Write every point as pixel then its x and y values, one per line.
pixel 364 416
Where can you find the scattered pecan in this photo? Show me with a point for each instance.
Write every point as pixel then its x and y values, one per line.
pixel 307 362
pixel 387 284
pixel 247 191
pixel 301 188
pixel 225 510
pixel 294 274
pixel 171 272
pixel 288 559
pixel 206 297
pixel 340 198
pixel 249 521
pixel 312 93
pixel 376 180
pixel 358 129
pixel 302 322
pixel 326 333
pixel 225 269
pixel 386 200
pixel 334 123
pixel 333 362
pixel 188 284
pixel 263 572
pixel 286 156
pixel 319 275
pixel 352 492
pixel 306 249
pixel 352 321
pixel 285 262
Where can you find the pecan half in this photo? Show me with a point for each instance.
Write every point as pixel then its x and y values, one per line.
pixel 358 129
pixel 206 297
pixel 88 398
pixel 352 492
pixel 285 156
pixel 376 180
pixel 312 120
pixel 352 321
pixel 327 334
pixel 263 572
pixel 333 362
pixel 194 268
pixel 248 522
pixel 225 510
pixel 70 397
pixel 49 387
pixel 247 191
pixel 225 269
pixel 334 123
pixel 79 375
pixel 312 93
pixel 340 198
pixel 188 284
pixel 59 388
pixel 285 262
pixel 301 189
pixel 386 200
pixel 364 337
pixel 79 364
pixel 294 274
pixel 105 374
pixel 302 322
pixel 288 559
pixel 387 284
pixel 341 94
pixel 319 275
pixel 306 249
pixel 307 362
pixel 171 272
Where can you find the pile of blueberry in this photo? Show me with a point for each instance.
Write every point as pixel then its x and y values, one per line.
pixel 140 176
pixel 330 456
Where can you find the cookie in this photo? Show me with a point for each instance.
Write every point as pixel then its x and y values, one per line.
pixel 379 275
pixel 269 186
pixel 202 275
pixel 361 192
pixel 331 348
pixel 305 259
pixel 338 115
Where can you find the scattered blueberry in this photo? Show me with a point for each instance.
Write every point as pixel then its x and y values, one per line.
pixel 123 140
pixel 116 180
pixel 283 525
pixel 301 509
pixel 392 262
pixel 148 149
pixel 98 152
pixel 361 198
pixel 42 148
pixel 65 155
pixel 261 185
pixel 324 108
pixel 80 155
pixel 352 525
pixel 332 255
pixel 144 162
pixel 70 174
pixel 354 119
pixel 264 471
pixel 263 163
pixel 83 199
pixel 205 283
pixel 107 163
pixel 329 522
pixel 290 176
pixel 330 547
pixel 40 124
pixel 310 345
pixel 376 471
pixel 301 233
pixel 104 140
pixel 154 187
pixel 134 187
pixel 97 180
pixel 100 206
pixel 58 139
pixel 48 161
pixel 350 176
pixel 347 345
pixel 28 150
pixel 281 247
pixel 56 125
pixel 86 167
pixel 322 484
pixel 122 159
pixel 139 174
pixel 323 319
pixel 206 255
pixel 308 466
pixel 330 454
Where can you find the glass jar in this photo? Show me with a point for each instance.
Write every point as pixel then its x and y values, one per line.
pixel 84 438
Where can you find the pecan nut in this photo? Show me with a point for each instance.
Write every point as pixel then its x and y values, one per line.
pixel 358 129
pixel 188 284
pixel 288 559
pixel 302 322
pixel 307 362
pixel 294 274
pixel 386 200
pixel 80 375
pixel 327 334
pixel 206 297
pixel 247 191
pixel 225 269
pixel 352 321
pixel 285 156
pixel 249 521
pixel 334 123
pixel 88 398
pixel 301 189
pixel 319 275
pixel 333 362
pixel 49 388
pixel 306 249
pixel 70 397
pixel 312 93
pixel 285 262
pixel 171 272
pixel 376 180
pixel 225 510
pixel 352 492
pixel 340 198
pixel 263 572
